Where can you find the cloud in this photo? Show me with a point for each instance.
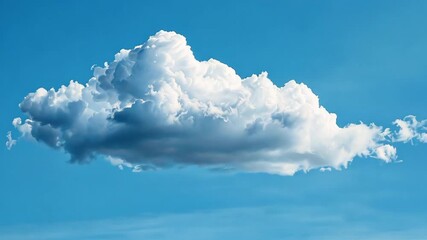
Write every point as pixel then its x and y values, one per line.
pixel 156 106
pixel 10 142
pixel 410 129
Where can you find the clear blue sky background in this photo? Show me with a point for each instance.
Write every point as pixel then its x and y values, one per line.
pixel 366 60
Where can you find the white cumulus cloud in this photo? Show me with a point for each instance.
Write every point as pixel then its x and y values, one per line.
pixel 156 105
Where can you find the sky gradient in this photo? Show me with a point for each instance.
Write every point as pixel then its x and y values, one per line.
pixel 365 60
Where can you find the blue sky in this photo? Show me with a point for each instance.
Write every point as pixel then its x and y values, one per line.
pixel 364 59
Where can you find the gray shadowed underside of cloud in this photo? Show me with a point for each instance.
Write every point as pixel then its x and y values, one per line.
pixel 156 105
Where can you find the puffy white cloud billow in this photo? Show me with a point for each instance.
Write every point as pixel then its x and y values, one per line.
pixel 156 106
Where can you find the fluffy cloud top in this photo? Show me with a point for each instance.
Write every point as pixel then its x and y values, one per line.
pixel 156 105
